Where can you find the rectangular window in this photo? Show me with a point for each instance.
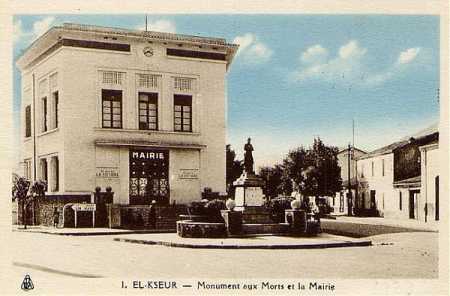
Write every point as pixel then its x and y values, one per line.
pixel 112 77
pixel 148 80
pixel 28 121
pixel 111 108
pixel 148 111
pixel 183 84
pixel 373 171
pixel 55 109
pixel 44 114
pixel 44 170
pixel 183 113
pixel 27 169
pixel 55 173
pixel 382 167
pixel 400 200
pixel 362 171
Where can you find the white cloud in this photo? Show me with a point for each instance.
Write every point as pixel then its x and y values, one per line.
pixel 408 55
pixel 18 32
pixel 165 26
pixel 314 54
pixel 348 67
pixel 351 50
pixel 40 27
pixel 251 49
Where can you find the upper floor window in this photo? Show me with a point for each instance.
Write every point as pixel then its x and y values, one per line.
pixel 182 113
pixel 55 99
pixel 183 84
pixel 28 121
pixel 111 108
pixel 373 171
pixel 382 167
pixel 112 77
pixel 148 111
pixel 362 171
pixel 44 114
pixel 148 80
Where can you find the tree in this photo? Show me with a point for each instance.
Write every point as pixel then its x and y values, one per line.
pixel 272 177
pixel 277 182
pixel 314 170
pixel 233 168
pixel 20 189
pixel 26 194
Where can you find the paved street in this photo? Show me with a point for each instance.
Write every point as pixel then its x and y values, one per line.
pixel 399 255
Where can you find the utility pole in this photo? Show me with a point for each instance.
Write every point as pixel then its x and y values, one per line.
pixel 349 195
pixel 146 24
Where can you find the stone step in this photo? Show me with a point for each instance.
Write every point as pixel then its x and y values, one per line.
pixel 257 218
pixel 279 228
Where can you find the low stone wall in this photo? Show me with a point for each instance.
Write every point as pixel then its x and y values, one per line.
pixel 140 216
pixel 188 228
pixel 40 212
pixel 47 206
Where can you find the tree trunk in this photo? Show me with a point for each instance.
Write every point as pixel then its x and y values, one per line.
pixel 24 215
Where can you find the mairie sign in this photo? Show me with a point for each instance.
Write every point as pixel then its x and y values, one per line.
pixel 84 207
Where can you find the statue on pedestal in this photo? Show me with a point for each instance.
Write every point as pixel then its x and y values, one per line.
pixel 248 157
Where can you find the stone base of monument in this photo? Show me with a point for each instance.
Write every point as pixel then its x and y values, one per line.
pixel 256 215
pixel 249 199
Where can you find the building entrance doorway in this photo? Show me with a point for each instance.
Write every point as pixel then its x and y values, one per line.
pixel 413 197
pixel 149 176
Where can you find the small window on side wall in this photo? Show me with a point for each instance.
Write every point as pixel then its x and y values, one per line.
pixel 28 121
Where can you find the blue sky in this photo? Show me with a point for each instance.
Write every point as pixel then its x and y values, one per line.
pixel 300 76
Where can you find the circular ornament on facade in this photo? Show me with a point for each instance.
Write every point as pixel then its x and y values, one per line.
pixel 148 51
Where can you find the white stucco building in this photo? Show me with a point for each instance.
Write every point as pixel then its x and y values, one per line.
pixel 401 180
pixel 376 177
pixel 142 112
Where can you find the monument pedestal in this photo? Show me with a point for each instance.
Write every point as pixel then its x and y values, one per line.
pixel 248 191
pixel 249 199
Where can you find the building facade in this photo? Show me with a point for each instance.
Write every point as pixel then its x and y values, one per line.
pixel 346 161
pixel 141 112
pixel 376 176
pixel 401 180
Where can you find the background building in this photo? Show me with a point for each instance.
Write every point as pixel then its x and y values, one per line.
pixel 346 156
pixel 142 112
pixel 401 180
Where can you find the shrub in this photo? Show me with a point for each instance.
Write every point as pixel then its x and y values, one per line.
pixel 277 206
pixel 213 208
pixel 197 208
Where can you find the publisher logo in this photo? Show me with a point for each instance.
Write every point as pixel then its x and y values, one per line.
pixel 27 283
